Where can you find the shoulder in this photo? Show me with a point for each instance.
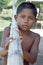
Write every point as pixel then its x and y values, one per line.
pixel 6 30
pixel 36 36
pixel 5 34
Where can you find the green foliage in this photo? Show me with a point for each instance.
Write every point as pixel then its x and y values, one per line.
pixel 39 4
pixel 19 1
pixel 4 3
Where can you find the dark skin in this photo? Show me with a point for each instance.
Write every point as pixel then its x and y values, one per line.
pixel 29 39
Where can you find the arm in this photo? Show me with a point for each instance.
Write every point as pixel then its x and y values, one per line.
pixel 32 56
pixel 6 39
pixel 4 36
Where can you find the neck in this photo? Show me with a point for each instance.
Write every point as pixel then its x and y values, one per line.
pixel 24 32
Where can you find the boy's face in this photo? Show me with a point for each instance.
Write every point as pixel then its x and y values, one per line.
pixel 26 19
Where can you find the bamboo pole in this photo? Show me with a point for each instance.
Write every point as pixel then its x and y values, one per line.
pixel 15 54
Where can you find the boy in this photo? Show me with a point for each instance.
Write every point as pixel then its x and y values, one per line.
pixel 25 17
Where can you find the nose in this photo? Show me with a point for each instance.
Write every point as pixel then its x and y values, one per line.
pixel 26 20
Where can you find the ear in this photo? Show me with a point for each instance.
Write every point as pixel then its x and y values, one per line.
pixel 36 20
pixel 15 16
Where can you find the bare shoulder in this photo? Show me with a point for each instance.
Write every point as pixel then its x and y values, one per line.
pixel 7 30
pixel 36 36
pixel 5 34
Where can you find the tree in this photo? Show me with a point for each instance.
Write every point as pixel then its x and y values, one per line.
pixel 3 4
pixel 19 1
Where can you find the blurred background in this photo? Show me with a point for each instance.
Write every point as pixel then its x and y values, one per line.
pixel 6 19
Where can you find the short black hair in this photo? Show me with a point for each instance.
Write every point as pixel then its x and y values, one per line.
pixel 27 5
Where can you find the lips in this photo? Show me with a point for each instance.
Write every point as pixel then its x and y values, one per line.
pixel 25 26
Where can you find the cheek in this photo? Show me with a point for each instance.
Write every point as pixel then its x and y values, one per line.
pixel 31 23
pixel 20 21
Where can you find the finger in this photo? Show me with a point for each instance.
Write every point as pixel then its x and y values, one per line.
pixel 11 39
pixel 21 40
pixel 17 30
pixel 20 33
pixel 21 37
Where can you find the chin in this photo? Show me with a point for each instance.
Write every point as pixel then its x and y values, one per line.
pixel 25 30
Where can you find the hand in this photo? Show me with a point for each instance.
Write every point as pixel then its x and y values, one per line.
pixel 3 53
pixel 8 41
pixel 21 35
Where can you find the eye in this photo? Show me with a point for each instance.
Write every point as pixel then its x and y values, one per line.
pixel 31 18
pixel 22 16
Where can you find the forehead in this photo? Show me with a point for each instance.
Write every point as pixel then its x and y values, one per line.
pixel 26 12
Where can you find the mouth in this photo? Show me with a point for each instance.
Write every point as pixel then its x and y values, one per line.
pixel 25 26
